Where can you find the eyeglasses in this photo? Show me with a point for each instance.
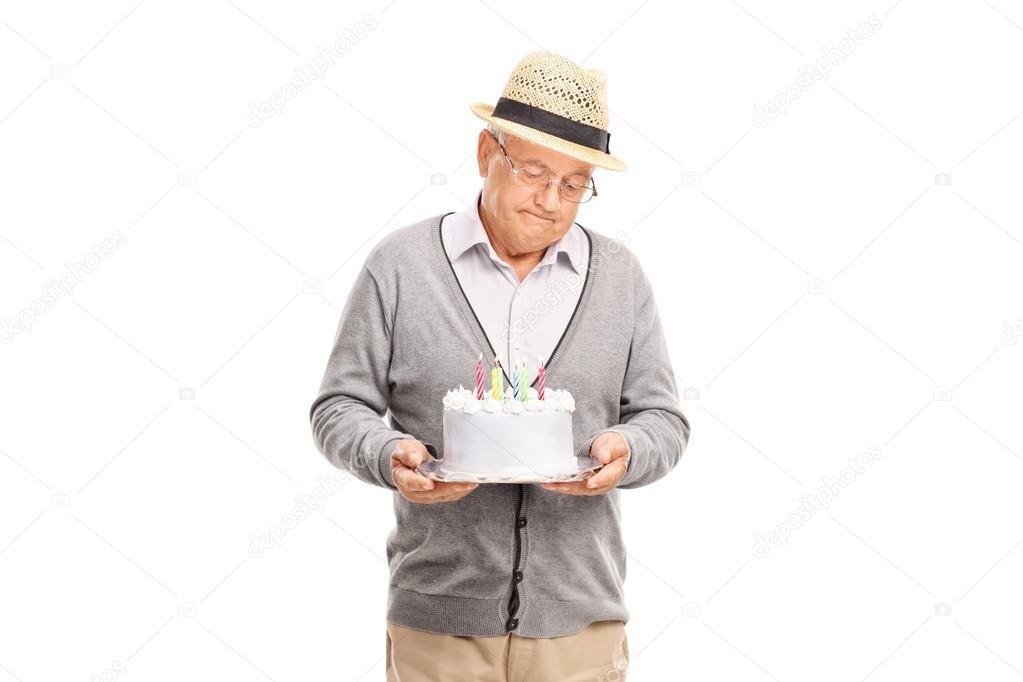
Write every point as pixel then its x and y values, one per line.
pixel 536 178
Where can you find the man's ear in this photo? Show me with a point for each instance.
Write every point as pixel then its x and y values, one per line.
pixel 483 152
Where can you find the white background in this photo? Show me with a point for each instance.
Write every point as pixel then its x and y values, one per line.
pixel 843 278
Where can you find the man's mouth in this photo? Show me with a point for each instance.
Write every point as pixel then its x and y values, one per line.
pixel 538 217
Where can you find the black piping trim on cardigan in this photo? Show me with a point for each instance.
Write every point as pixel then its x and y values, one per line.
pixel 440 236
pixel 578 303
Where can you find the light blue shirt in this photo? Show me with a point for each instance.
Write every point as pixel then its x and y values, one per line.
pixel 522 320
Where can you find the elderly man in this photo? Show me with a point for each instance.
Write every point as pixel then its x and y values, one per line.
pixel 507 581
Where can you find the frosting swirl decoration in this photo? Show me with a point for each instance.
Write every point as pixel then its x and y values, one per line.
pixel 463 400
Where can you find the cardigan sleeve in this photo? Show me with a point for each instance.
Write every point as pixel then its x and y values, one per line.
pixel 347 415
pixel 652 422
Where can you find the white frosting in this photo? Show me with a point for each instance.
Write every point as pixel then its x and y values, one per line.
pixel 463 400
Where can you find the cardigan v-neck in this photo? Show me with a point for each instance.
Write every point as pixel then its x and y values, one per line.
pixel 473 320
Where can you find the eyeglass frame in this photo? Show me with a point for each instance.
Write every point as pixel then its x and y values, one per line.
pixel 550 180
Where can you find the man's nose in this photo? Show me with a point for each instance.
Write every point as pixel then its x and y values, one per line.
pixel 549 199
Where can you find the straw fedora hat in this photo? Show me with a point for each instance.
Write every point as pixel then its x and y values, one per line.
pixel 551 101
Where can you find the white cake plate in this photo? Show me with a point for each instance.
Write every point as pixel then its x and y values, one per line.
pixel 435 469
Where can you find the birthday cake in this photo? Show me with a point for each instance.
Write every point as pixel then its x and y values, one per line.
pixel 518 434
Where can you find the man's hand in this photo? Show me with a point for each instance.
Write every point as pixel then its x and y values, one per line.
pixel 413 486
pixel 611 450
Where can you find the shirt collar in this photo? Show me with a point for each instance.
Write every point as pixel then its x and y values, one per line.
pixel 470 232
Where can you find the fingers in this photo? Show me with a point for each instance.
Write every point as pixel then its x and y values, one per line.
pixel 598 484
pixel 443 495
pixel 413 486
pixel 446 497
pixel 576 488
pixel 422 490
pixel 608 476
pixel 408 480
pixel 410 452
pixel 609 446
pixel 573 488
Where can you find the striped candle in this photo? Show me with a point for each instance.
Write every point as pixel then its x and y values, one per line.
pixel 497 380
pixel 541 391
pixel 523 381
pixel 479 378
pixel 515 380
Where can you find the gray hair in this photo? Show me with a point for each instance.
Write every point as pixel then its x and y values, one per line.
pixel 501 136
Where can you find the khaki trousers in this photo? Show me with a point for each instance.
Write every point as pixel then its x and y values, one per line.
pixel 600 653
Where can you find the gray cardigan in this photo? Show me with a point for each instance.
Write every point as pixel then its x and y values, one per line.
pixel 507 557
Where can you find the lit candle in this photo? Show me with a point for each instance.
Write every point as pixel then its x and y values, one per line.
pixel 497 380
pixel 523 381
pixel 479 378
pixel 543 380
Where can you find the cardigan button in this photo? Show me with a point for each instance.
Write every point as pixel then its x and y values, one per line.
pixel 512 623
pixel 520 523
pixel 518 576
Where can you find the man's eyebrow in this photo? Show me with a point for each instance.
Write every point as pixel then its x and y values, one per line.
pixel 577 171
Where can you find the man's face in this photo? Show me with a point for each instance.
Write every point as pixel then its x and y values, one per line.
pixel 527 220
